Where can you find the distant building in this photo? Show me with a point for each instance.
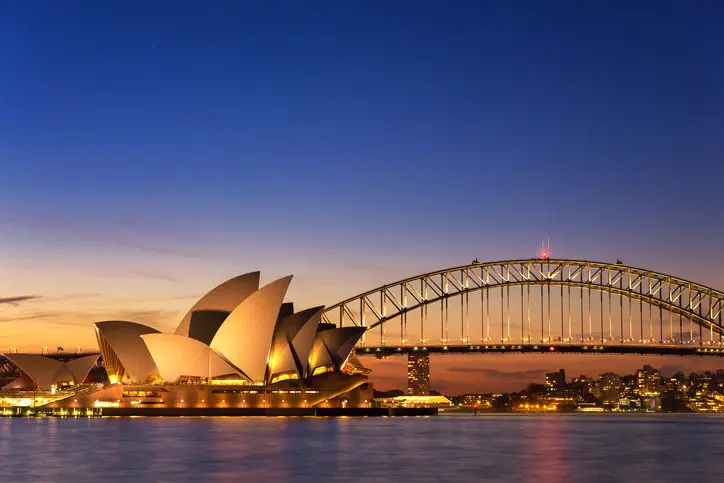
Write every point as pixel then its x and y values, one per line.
pixel 609 389
pixel 699 383
pixel 582 384
pixel 409 401
pixel 678 383
pixel 479 401
pixel 648 381
pixel 651 403
pixel 630 386
pixel 583 380
pixel 556 381
pixel 418 374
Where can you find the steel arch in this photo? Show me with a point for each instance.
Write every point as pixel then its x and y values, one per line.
pixel 702 304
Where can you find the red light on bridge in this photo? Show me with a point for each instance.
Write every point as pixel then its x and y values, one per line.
pixel 545 251
pixel 551 348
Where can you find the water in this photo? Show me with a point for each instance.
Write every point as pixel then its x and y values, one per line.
pixel 445 448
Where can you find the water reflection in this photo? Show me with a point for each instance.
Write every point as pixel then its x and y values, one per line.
pixel 449 448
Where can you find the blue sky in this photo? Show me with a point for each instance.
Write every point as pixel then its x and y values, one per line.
pixel 150 151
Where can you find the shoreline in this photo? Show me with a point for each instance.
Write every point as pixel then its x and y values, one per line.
pixel 223 412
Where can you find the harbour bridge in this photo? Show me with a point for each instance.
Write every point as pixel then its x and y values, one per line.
pixel 537 305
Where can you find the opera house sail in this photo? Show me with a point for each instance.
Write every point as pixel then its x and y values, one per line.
pixel 239 346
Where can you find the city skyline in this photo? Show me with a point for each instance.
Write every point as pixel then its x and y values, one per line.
pixel 151 152
pixel 644 390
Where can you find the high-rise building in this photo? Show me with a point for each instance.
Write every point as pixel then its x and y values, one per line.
pixel 648 381
pixel 609 388
pixel 418 374
pixel 556 381
pixel 582 383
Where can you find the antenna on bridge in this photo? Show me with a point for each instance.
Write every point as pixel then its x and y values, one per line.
pixel 545 251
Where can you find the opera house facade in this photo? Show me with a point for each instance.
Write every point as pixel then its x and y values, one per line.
pixel 239 346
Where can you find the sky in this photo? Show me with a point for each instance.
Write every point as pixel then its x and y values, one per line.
pixel 150 151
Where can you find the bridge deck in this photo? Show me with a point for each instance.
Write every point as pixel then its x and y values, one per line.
pixel 60 356
pixel 555 348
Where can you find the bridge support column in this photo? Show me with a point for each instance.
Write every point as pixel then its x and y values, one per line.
pixel 418 374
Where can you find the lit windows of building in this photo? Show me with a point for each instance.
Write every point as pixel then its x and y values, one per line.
pixel 474 400
pixel 556 381
pixel 418 374
pixel 610 389
pixel 411 401
pixel 648 381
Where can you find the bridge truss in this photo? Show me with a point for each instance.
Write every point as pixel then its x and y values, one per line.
pixel 539 305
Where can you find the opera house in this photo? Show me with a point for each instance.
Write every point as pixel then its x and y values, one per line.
pixel 239 346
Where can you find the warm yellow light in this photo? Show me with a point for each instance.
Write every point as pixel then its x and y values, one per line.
pixel 322 370
pixel 106 404
pixel 234 382
pixel 284 377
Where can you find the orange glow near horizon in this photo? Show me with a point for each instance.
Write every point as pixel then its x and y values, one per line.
pixel 71 299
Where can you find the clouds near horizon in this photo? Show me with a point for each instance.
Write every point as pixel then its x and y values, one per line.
pixel 18 299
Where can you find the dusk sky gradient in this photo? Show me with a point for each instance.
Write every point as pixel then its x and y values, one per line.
pixel 148 152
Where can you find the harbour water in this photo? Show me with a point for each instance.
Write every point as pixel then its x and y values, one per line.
pixel 496 447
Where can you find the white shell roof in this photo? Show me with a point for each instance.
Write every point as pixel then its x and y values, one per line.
pixel 124 339
pixel 176 356
pixel 225 297
pixel 245 338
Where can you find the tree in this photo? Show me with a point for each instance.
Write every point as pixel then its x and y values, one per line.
pixel 535 389
pixel 673 403
pixel 502 403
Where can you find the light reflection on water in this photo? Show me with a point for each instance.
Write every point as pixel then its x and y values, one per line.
pixel 445 448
